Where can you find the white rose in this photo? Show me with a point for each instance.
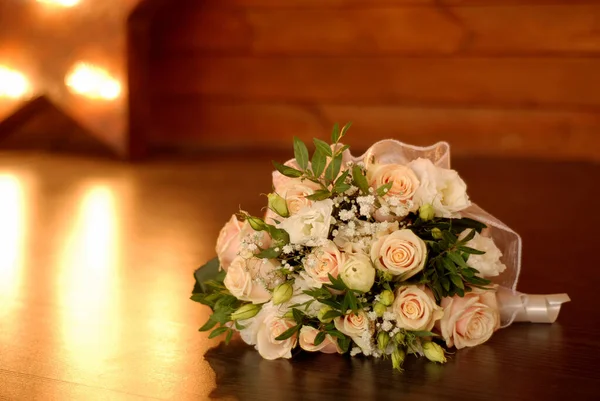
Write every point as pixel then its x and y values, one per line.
pixel 415 309
pixel 268 330
pixel 356 326
pixel 401 253
pixel 358 272
pixel 488 264
pixel 295 191
pixel 307 341
pixel 470 320
pixel 310 226
pixel 323 261
pixel 440 187
pixel 248 279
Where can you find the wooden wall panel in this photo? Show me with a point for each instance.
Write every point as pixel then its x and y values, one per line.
pixel 492 77
pixel 381 31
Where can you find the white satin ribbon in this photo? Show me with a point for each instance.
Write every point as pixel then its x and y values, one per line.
pixel 518 307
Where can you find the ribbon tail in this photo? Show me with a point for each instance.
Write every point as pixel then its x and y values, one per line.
pixel 518 307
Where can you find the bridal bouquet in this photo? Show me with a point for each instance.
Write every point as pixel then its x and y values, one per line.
pixel 382 255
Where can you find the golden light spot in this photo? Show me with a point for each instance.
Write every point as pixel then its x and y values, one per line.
pixel 13 84
pixel 92 82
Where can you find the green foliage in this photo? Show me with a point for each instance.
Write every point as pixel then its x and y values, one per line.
pixel 300 153
pixel 360 180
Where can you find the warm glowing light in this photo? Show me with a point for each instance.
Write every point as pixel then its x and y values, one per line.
pixel 12 230
pixel 92 82
pixel 61 3
pixel 13 84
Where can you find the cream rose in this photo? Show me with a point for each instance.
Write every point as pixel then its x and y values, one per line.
pixel 231 237
pixel 358 272
pixel 270 327
pixel 488 264
pixel 405 182
pixel 470 320
pixel 440 187
pixel 295 192
pixel 310 226
pixel 415 308
pixel 323 261
pixel 307 341
pixel 357 327
pixel 400 253
pixel 249 279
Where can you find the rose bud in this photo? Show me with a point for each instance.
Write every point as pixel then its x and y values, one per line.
pixel 433 352
pixel 386 297
pixel 379 309
pixel 245 312
pixel 282 293
pixel 256 223
pixel 322 313
pixel 436 233
pixel 398 358
pixel 426 212
pixel 358 273
pixel 278 205
pixel 383 340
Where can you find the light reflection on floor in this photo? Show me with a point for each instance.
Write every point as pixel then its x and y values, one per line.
pixel 13 224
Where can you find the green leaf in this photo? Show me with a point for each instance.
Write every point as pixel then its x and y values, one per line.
pixel 218 331
pixel 445 283
pixel 341 188
pixel 238 326
pixel 344 344
pixel 278 235
pixel 457 281
pixel 270 253
pixel 323 147
pixel 470 251
pixel 288 333
pixel 320 337
pixel 287 170
pixel 469 237
pixel 352 301
pixel 456 258
pixel 333 169
pixel 342 178
pixel 208 325
pixel 206 273
pixel 423 333
pixel 448 236
pixel 332 314
pixel 228 337
pixel 319 161
pixel 336 283
pixel 300 153
pixel 330 303
pixel 345 129
pixel 335 133
pixel 360 180
pixel 298 315
pixel 382 190
pixel 449 265
pixel 336 334
pixel 319 195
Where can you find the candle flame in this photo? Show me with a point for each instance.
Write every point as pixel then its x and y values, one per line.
pixel 13 84
pixel 92 82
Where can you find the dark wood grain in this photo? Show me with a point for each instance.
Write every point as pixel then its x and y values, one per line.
pixel 96 262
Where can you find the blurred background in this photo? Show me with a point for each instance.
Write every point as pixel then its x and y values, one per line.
pixel 503 78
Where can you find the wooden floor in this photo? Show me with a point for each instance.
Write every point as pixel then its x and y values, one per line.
pixel 96 262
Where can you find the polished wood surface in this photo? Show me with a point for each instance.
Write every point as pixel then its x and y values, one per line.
pixel 494 77
pixel 96 263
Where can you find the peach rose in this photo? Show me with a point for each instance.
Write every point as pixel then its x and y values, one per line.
pixel 295 191
pixel 470 320
pixel 324 260
pixel 401 253
pixel 405 182
pixel 230 240
pixel 307 341
pixel 356 326
pixel 249 279
pixel 415 308
pixel 268 330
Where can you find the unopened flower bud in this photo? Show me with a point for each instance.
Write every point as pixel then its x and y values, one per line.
pixel 383 340
pixel 282 293
pixel 386 276
pixel 386 297
pixel 278 205
pixel 322 313
pixel 426 212
pixel 398 358
pixel 433 352
pixel 436 233
pixel 256 223
pixel 399 337
pixel 379 309
pixel 245 312
pixel 289 314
